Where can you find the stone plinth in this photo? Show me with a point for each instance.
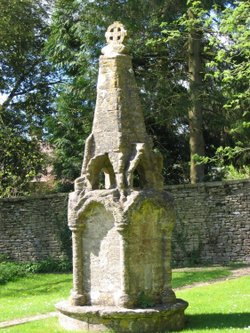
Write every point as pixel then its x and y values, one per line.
pixel 114 319
pixel 120 217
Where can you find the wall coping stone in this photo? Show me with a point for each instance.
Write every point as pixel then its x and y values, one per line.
pixel 209 184
pixel 34 197
pixel 167 187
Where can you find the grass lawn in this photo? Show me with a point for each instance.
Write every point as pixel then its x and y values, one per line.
pixel 220 307
pixel 38 293
pixel 32 295
pixel 185 276
pixel 50 325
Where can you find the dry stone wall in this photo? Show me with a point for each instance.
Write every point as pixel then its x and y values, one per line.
pixel 213 224
pixel 34 228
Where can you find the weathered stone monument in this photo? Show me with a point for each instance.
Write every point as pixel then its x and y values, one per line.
pixel 120 217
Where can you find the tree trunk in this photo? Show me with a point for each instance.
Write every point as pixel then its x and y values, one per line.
pixel 196 139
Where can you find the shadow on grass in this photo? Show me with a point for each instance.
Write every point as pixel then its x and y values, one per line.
pixel 237 265
pixel 218 320
pixel 187 278
pixel 33 290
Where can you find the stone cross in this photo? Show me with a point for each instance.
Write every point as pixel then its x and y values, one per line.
pixel 116 33
pixel 115 36
pixel 120 217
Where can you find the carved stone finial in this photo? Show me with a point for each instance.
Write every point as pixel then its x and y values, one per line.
pixel 115 35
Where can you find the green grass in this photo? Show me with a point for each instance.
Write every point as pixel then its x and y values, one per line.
pixel 210 306
pixel 222 307
pixel 38 293
pixel 50 325
pixel 187 276
pixel 32 295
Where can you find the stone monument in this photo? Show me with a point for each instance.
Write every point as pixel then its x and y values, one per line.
pixel 120 217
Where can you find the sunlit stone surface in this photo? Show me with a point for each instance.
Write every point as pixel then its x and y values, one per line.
pixel 120 217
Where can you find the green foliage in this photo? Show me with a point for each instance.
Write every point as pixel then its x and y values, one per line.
pixel 25 72
pixel 225 39
pixel 3 258
pixel 70 126
pixel 10 271
pixel 232 173
pixel 229 70
pixel 26 80
pixel 74 47
pixel 20 161
pixel 231 63
pixel 57 105
pixel 227 163
pixel 49 265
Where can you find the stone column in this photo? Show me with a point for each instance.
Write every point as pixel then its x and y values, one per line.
pixel 168 295
pixel 78 297
pixel 124 298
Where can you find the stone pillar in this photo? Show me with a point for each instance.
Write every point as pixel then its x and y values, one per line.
pixel 78 296
pixel 121 229
pixel 168 296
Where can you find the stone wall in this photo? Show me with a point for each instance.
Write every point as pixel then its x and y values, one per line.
pixel 34 228
pixel 213 224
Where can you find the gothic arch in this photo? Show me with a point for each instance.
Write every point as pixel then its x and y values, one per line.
pixel 100 173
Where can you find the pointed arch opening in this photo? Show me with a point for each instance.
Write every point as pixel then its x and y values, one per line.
pixel 101 173
pixel 138 177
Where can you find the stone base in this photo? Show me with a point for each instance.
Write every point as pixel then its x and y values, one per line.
pixel 121 320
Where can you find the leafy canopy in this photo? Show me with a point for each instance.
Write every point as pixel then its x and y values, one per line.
pixel 26 82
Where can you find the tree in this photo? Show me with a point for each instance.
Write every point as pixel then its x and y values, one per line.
pixel 68 127
pixel 195 114
pixel 26 81
pixel 78 30
pixel 194 29
pixel 230 71
pixel 20 161
pixel 170 61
